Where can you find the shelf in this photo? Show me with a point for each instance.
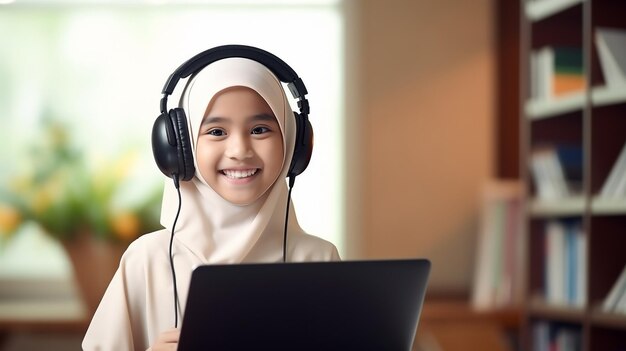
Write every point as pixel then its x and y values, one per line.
pixel 545 108
pixel 571 206
pixel 611 320
pixel 604 206
pixel 604 95
pixel 447 310
pixel 537 10
pixel 540 309
pixel 40 301
pixel 593 119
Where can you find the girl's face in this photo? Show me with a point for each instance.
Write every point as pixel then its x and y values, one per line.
pixel 240 146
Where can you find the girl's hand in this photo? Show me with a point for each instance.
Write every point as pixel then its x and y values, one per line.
pixel 167 341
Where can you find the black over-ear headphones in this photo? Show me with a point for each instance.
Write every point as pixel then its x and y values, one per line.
pixel 171 140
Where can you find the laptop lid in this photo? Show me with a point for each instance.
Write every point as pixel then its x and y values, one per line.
pixel 349 305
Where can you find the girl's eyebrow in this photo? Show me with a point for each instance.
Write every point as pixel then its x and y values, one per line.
pixel 262 117
pixel 211 120
pixel 223 120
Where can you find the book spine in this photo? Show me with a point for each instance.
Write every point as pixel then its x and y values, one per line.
pixel 581 263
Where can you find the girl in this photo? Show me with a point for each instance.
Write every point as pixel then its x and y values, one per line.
pixel 233 210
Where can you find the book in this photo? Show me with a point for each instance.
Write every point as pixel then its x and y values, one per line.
pixel 611 46
pixel 564 273
pixel 541 71
pixel 498 268
pixel 617 291
pixel 556 72
pixel 553 336
pixel 612 186
pixel 567 339
pixel 621 304
pixel 570 158
pixel 568 83
pixel 549 180
pixel 581 268
pixel 557 170
pixel 555 264
pixel 568 76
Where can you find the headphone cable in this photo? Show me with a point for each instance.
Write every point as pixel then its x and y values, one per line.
pixel 177 185
pixel 292 181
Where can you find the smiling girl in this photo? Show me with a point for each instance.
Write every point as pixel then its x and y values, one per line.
pixel 233 209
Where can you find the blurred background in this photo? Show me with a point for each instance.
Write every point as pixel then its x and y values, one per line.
pixel 415 112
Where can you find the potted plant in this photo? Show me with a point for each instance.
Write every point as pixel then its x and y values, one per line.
pixel 79 206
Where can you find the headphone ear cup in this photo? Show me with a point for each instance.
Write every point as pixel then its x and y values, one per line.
pixel 164 145
pixel 170 145
pixel 185 155
pixel 303 148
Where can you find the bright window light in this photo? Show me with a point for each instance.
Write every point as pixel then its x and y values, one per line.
pixel 100 70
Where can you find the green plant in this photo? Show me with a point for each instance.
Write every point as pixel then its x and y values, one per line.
pixel 59 192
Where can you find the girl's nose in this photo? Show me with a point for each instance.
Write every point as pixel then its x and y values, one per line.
pixel 238 147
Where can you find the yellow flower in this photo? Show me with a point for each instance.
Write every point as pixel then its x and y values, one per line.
pixel 10 219
pixel 126 225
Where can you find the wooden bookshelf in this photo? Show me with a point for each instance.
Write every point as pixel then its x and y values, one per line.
pixel 453 324
pixel 541 309
pixel 594 119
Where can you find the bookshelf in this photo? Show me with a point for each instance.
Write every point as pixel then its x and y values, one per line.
pixel 568 310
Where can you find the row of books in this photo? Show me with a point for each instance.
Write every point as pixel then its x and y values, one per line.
pixel 556 337
pixel 497 279
pixel 565 263
pixel 557 170
pixel 556 71
pixel 615 301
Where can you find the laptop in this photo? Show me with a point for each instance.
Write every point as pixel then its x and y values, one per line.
pixel 349 305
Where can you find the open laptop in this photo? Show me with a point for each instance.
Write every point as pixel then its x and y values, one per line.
pixel 349 305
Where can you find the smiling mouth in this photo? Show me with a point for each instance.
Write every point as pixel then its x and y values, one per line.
pixel 239 174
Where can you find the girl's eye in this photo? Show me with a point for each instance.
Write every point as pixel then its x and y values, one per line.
pixel 216 132
pixel 260 130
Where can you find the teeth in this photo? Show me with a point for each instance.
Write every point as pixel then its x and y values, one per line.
pixel 239 173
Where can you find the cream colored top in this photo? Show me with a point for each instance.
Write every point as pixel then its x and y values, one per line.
pixel 138 304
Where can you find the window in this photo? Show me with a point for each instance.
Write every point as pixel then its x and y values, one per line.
pixel 98 69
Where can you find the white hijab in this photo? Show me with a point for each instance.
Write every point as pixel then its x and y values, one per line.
pixel 214 229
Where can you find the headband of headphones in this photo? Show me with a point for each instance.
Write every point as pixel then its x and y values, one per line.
pixel 279 67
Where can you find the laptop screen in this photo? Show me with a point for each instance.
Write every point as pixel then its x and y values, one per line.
pixel 349 305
